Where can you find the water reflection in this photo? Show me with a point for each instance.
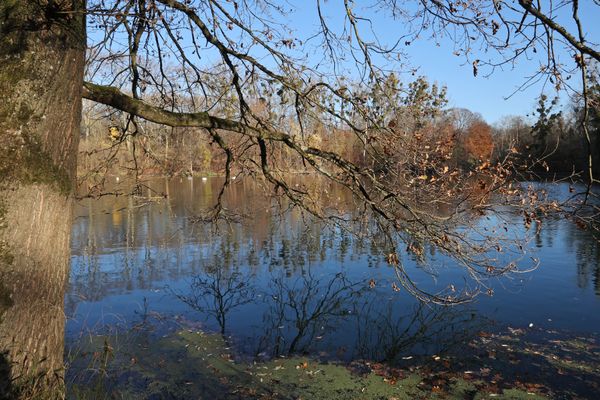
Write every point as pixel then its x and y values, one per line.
pixel 123 245
pixel 588 258
pixel 305 310
pixel 284 283
pixel 217 293
pixel 383 334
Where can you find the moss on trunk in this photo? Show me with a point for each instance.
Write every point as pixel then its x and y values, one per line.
pixel 41 72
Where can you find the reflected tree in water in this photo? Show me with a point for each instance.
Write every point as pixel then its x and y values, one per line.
pixel 217 292
pixel 385 333
pixel 304 308
pixel 587 250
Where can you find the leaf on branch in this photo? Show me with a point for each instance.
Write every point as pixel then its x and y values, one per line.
pixel 578 60
pixel 475 70
pixel 392 259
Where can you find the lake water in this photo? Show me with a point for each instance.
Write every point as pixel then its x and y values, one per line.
pixel 286 284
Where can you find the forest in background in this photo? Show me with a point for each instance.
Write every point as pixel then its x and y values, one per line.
pixel 546 141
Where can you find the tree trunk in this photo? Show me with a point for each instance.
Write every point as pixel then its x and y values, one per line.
pixel 42 50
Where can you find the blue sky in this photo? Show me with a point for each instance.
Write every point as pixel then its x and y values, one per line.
pixel 486 95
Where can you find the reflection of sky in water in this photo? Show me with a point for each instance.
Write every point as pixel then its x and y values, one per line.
pixel 308 286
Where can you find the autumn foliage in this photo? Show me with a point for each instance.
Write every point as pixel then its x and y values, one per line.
pixel 478 142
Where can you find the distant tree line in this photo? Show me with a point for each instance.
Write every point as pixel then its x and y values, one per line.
pixel 419 127
pixel 546 141
pixel 550 139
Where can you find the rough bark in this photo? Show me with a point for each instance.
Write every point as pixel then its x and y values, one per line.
pixel 42 49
